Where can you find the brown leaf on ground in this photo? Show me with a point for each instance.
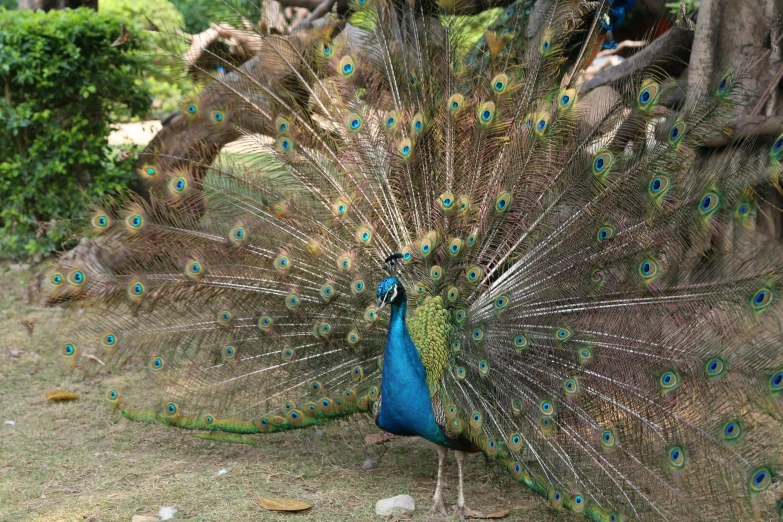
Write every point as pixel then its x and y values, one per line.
pixel 61 396
pixel 282 504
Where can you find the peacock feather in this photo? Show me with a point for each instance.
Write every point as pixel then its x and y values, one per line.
pixel 472 255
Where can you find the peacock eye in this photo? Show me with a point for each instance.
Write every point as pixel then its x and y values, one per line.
pixel 724 82
pixel 77 277
pixel 709 203
pixel 648 94
pixel 677 132
pixel 606 232
pixel 455 102
pixel 776 381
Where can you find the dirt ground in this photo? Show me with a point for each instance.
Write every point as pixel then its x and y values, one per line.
pixel 79 461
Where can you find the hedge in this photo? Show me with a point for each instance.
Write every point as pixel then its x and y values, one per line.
pixel 61 82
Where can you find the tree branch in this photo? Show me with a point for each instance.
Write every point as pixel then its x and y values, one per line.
pixel 746 126
pixel 670 53
pixel 322 9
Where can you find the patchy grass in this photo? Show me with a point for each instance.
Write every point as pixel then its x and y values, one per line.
pixel 77 461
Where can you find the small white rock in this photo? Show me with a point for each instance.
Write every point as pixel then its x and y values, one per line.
pixel 167 513
pixel 222 472
pixel 368 464
pixel 10 422
pixel 395 506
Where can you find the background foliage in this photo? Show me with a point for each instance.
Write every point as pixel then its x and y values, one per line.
pixel 62 83
pixel 199 13
pixel 163 77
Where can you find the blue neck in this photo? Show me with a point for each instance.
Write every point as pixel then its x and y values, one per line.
pixel 406 408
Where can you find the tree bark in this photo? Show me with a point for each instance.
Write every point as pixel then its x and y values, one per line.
pixel 745 37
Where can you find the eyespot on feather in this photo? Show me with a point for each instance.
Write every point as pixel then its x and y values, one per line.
pixel 346 66
pixel 390 120
pixel 499 83
pixel 455 103
pixel 648 94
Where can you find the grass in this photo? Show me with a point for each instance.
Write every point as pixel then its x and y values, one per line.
pixel 78 461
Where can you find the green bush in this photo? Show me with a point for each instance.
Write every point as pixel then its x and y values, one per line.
pixel 61 80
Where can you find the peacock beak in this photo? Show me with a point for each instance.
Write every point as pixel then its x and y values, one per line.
pixel 379 305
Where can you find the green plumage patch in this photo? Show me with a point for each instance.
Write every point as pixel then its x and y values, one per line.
pixel 430 329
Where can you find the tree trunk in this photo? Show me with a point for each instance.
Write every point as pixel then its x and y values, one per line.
pixel 745 36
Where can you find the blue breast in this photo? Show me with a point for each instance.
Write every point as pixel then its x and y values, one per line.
pixel 405 399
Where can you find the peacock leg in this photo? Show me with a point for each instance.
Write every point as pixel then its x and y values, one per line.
pixel 461 509
pixel 437 499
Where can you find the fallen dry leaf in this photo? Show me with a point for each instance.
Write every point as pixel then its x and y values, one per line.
pixel 61 396
pixel 496 514
pixel 282 504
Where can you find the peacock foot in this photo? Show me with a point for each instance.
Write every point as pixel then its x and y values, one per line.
pixel 465 512
pixel 438 507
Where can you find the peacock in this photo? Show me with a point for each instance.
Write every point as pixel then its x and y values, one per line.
pixel 473 256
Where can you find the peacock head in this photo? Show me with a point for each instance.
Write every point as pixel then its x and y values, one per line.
pixel 390 291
